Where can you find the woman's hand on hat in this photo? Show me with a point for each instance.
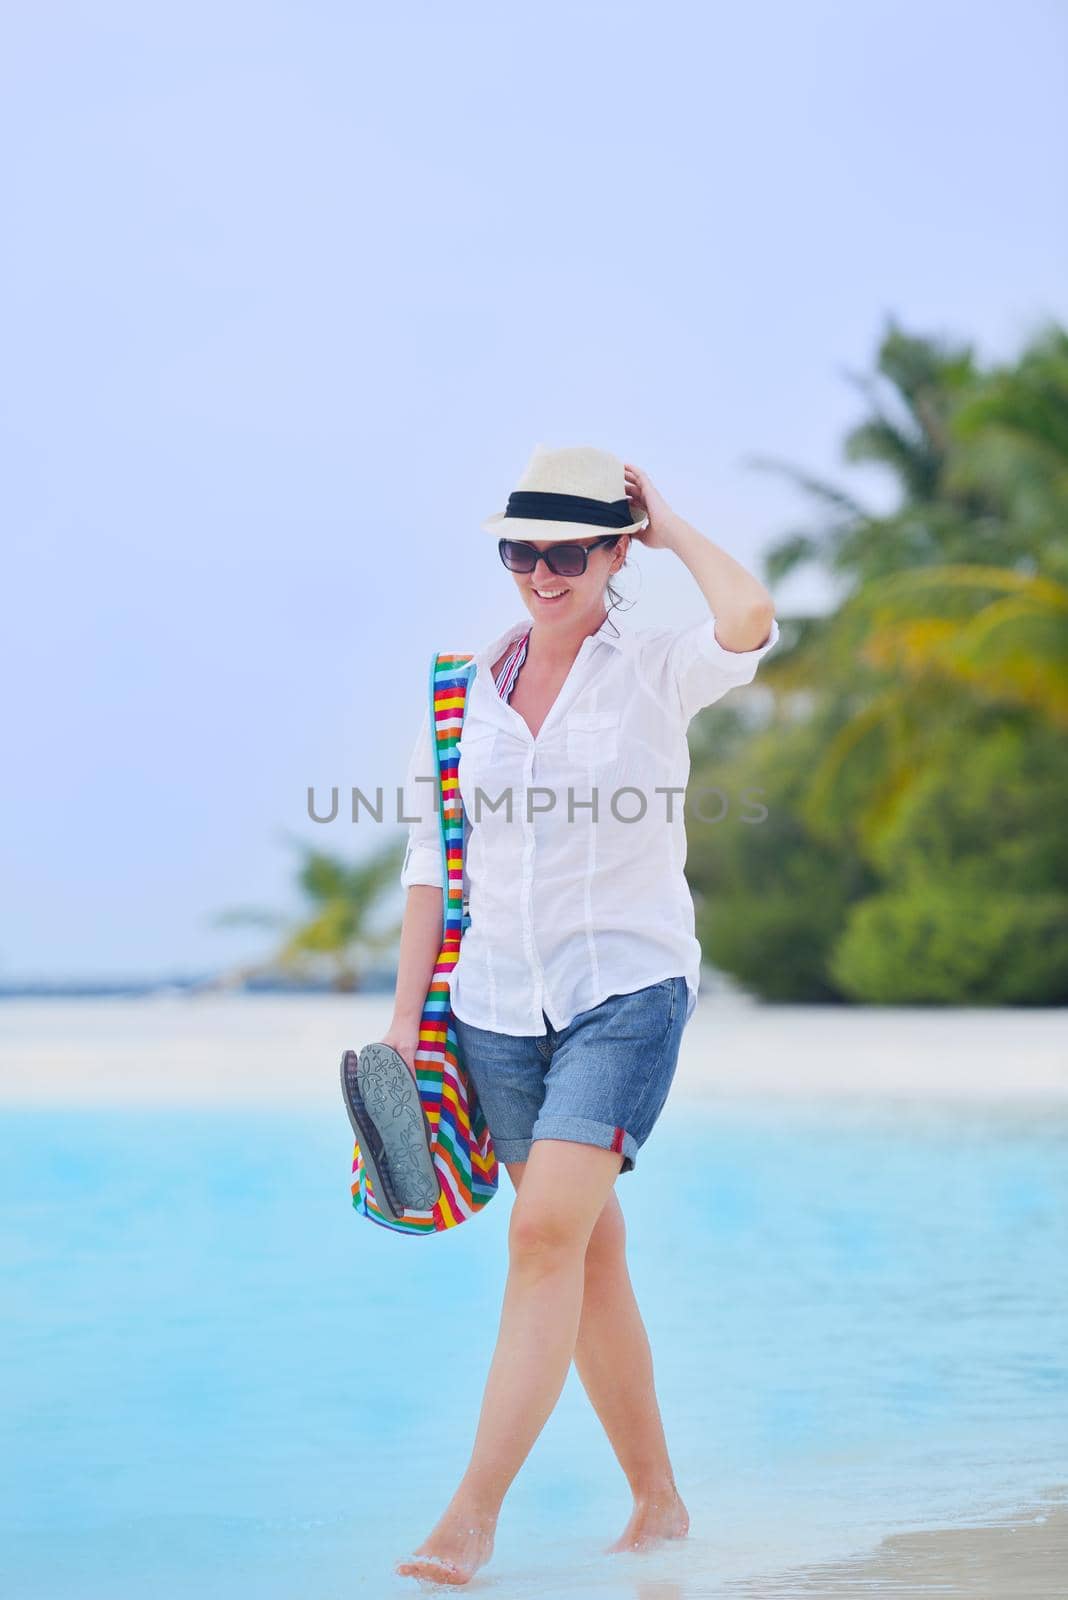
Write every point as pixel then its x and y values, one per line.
pixel 648 501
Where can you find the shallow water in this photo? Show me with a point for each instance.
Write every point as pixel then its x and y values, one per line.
pixel 220 1380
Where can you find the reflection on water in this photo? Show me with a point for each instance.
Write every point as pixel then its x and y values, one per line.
pixel 220 1378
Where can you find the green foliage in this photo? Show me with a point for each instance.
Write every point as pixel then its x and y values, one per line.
pixel 770 898
pixel 946 944
pixel 986 816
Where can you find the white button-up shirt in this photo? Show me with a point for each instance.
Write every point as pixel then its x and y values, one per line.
pixel 565 912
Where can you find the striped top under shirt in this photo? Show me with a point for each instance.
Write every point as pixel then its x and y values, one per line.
pixel 505 679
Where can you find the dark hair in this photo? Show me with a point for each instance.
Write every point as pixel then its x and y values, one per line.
pixel 617 598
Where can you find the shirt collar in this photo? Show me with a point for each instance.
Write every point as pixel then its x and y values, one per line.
pixel 489 654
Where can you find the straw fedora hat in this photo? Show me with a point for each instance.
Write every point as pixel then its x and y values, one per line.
pixel 567 494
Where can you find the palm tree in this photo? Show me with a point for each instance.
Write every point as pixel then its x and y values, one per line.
pixel 931 628
pixel 934 666
pixel 334 935
pixel 938 683
pixel 911 398
pixel 1012 438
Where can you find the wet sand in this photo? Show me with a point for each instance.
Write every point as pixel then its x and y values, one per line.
pixel 1019 1558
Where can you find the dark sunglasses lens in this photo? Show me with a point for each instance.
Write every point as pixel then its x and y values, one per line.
pixel 516 557
pixel 568 560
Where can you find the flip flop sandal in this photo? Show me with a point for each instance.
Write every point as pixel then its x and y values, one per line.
pixel 368 1137
pixel 382 1100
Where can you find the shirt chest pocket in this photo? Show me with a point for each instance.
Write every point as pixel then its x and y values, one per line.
pixel 592 737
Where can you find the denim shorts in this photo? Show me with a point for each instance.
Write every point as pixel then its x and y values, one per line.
pixel 602 1080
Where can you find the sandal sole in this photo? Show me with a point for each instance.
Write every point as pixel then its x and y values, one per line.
pixel 367 1136
pixel 382 1099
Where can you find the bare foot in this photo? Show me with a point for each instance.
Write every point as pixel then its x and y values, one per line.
pixel 655 1517
pixel 461 1542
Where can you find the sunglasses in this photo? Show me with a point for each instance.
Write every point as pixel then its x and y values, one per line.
pixel 565 560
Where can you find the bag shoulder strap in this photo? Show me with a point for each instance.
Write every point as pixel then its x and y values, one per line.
pixel 451 675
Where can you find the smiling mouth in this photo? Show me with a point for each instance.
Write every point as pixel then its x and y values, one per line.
pixel 552 595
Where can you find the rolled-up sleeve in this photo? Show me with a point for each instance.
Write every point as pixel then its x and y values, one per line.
pixel 688 668
pixel 422 858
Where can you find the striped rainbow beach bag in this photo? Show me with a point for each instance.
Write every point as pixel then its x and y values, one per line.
pixel 461 1147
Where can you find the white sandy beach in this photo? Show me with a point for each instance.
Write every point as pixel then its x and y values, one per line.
pixel 247 1049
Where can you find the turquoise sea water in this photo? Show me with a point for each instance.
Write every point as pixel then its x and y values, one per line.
pixel 219 1381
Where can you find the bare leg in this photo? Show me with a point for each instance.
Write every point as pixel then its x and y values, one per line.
pixel 562 1195
pixel 615 1363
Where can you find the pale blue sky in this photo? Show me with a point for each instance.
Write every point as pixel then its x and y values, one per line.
pixel 291 292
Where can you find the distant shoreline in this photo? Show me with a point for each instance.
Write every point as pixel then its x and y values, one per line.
pixel 131 988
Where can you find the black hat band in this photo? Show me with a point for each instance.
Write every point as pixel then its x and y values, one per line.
pixel 569 508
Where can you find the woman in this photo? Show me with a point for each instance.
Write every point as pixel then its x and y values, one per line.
pixel 578 969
